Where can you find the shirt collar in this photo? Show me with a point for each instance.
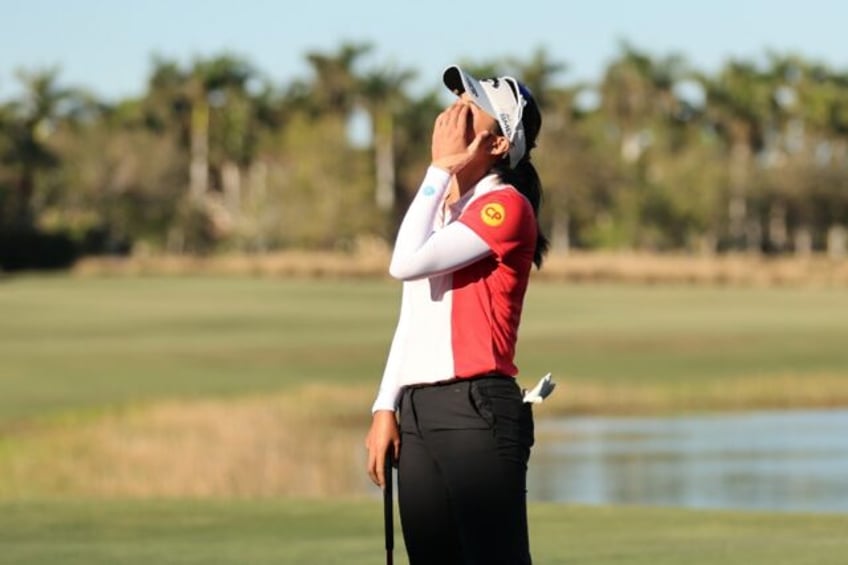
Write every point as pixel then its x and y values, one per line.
pixel 487 184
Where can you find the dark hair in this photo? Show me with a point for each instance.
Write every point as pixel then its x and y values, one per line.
pixel 524 176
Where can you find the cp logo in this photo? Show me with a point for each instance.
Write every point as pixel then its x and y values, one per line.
pixel 493 214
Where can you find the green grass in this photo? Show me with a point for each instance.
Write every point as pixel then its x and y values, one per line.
pixel 661 333
pixel 71 344
pixel 350 533
pixel 82 344
pixel 71 348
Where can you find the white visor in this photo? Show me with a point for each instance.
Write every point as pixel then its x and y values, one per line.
pixel 500 98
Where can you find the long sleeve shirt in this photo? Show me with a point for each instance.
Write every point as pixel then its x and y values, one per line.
pixel 465 273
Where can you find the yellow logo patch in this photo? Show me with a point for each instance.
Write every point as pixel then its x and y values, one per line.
pixel 493 214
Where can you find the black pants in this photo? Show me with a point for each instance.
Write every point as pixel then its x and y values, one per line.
pixel 462 472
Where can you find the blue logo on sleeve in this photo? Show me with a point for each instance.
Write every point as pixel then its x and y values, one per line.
pixel 428 191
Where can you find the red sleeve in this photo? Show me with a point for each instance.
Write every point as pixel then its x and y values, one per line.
pixel 504 219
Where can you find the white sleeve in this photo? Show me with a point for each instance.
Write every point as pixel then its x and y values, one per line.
pixel 419 252
pixel 387 396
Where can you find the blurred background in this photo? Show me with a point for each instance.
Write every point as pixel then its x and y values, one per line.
pixel 197 205
pixel 202 128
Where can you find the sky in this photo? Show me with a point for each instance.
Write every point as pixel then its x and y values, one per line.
pixel 107 46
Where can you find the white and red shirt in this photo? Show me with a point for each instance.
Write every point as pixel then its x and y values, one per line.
pixel 465 274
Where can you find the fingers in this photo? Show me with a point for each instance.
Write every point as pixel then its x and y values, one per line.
pixel 453 116
pixel 479 139
pixel 382 436
pixel 457 115
pixel 444 116
pixel 451 133
pixel 375 467
pixel 381 469
pixel 376 464
pixel 396 447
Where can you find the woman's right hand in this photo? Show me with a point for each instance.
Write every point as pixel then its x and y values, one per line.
pixel 383 433
pixel 454 143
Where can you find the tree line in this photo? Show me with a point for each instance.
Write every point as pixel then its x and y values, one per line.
pixel 215 156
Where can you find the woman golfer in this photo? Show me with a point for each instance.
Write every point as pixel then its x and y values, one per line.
pixel 464 251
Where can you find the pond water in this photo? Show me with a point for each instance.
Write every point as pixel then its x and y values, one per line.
pixel 784 461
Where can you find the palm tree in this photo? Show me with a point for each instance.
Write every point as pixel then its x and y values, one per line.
pixel 219 82
pixel 187 98
pixel 556 104
pixel 820 196
pixel 739 103
pixel 638 94
pixel 6 158
pixel 383 93
pixel 214 115
pixel 335 87
pixel 538 74
pixel 30 123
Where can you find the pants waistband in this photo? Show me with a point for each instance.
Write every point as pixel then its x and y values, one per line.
pixel 448 382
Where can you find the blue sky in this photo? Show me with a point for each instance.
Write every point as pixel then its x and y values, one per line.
pixel 106 45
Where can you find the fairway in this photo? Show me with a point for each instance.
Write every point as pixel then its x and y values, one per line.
pixel 80 345
pixel 349 533
pixel 70 344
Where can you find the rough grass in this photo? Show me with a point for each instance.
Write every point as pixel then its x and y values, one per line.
pixel 308 442
pixel 370 257
pixel 304 442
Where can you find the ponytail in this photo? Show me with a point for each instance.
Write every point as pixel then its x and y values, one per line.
pixel 526 180
pixel 524 176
